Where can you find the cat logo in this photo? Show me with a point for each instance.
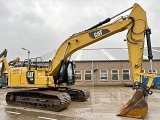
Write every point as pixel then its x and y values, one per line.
pixel 98 33
pixel 30 77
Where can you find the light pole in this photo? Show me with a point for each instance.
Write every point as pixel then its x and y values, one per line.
pixel 28 55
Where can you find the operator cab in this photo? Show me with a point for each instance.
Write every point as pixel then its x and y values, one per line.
pixel 66 73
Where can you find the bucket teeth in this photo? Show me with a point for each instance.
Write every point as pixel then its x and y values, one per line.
pixel 136 107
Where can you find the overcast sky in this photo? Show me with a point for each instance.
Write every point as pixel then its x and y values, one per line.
pixel 42 25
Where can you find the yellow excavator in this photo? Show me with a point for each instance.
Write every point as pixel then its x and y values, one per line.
pixel 52 91
pixel 5 68
pixel 5 65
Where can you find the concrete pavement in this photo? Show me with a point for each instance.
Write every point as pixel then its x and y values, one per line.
pixel 106 101
pixel 103 104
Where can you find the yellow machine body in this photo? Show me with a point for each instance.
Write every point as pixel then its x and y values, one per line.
pixel 21 77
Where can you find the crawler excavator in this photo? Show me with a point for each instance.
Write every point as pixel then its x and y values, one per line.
pixel 52 83
pixel 3 77
pixel 5 68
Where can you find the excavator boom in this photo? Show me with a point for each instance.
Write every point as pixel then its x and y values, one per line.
pixel 137 26
pixel 136 23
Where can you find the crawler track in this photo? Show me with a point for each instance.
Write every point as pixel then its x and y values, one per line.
pixel 40 99
pixel 78 95
pixel 53 99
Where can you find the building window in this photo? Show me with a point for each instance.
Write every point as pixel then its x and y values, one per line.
pixel 78 75
pixel 88 75
pixel 103 75
pixel 126 74
pixel 114 74
pixel 152 71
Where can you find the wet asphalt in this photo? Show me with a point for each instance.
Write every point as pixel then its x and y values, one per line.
pixel 103 104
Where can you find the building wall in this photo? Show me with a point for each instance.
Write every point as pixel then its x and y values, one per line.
pixel 109 65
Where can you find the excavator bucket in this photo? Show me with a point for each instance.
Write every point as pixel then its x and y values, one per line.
pixel 136 107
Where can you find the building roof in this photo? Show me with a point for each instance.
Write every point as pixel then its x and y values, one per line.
pixel 108 54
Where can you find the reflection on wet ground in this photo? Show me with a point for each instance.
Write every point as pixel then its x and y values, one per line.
pixel 104 103
pixel 26 114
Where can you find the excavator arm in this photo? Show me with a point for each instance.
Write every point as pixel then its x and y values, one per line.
pixel 4 61
pixel 5 64
pixel 3 69
pixel 136 24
